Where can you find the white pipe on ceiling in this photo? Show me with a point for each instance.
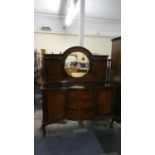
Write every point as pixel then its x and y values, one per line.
pixel 82 22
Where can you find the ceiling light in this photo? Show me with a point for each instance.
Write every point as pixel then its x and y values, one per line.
pixel 71 12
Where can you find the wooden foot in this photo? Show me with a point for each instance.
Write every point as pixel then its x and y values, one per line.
pixel 111 124
pixel 44 131
pixel 81 123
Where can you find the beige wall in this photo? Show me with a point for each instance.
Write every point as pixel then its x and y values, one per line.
pixel 57 43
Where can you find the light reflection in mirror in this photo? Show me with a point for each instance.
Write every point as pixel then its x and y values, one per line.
pixel 77 64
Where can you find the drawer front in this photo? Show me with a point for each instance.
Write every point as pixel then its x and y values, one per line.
pixel 81 114
pixel 80 103
pixel 82 94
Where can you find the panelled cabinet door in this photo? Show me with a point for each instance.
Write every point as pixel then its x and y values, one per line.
pixel 104 102
pixel 98 63
pixel 116 56
pixel 54 103
pixel 53 70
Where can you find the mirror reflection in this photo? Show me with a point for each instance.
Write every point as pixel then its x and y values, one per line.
pixel 77 64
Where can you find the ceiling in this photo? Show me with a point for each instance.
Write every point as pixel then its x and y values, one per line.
pixel 95 9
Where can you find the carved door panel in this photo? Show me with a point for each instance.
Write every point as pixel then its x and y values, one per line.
pixel 54 101
pixel 104 102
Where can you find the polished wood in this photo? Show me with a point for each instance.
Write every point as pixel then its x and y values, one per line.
pixel 55 105
pixel 99 67
pixel 116 56
pixel 116 76
pixel 80 104
pixel 52 67
pixel 82 98
pixel 104 99
pixel 80 114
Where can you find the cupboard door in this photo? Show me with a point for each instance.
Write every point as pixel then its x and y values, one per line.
pixel 116 57
pixel 99 67
pixel 53 70
pixel 54 101
pixel 104 102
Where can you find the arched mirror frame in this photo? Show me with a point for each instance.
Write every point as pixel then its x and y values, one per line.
pixel 77 49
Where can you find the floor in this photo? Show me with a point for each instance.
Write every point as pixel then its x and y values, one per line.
pixel 108 138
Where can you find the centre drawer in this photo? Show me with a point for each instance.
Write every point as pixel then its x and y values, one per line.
pixel 80 103
pixel 80 94
pixel 81 114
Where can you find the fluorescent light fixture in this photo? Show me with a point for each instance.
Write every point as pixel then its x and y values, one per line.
pixel 71 12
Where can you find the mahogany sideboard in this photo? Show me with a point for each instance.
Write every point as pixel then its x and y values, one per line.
pixel 75 98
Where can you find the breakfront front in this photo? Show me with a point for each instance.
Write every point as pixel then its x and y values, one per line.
pixel 75 87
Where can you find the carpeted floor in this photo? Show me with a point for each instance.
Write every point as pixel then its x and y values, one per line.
pixel 95 138
pixel 68 143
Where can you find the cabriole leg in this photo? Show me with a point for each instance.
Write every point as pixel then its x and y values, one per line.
pixel 111 124
pixel 44 130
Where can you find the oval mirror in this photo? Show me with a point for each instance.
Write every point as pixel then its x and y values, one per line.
pixel 77 64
